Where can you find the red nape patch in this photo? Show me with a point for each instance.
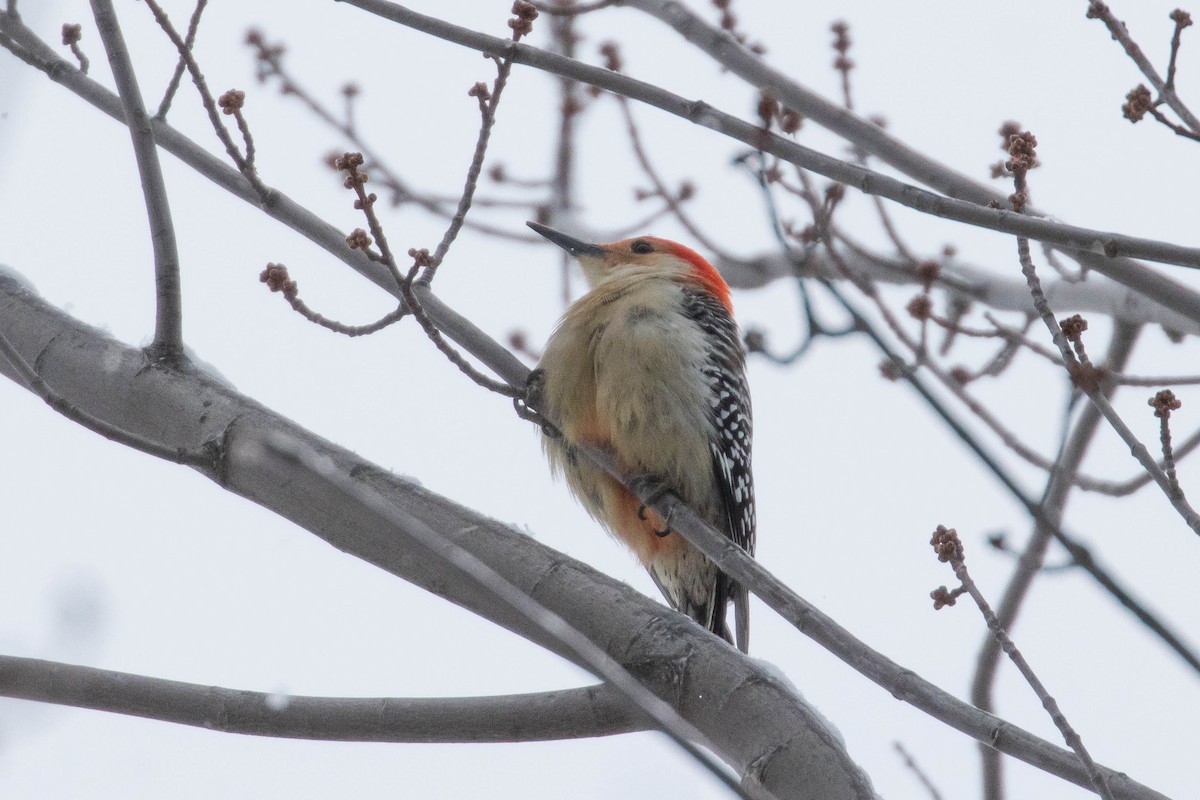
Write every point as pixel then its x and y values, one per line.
pixel 706 273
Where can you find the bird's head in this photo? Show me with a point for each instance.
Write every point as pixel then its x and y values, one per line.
pixel 648 254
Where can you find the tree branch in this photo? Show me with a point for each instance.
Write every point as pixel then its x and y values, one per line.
pixel 1098 243
pixel 168 321
pixel 875 141
pixel 289 459
pixel 1053 506
pixel 901 682
pixel 728 697
pixel 542 716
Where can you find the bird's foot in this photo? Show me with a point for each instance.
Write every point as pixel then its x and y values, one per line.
pixel 526 405
pixel 653 489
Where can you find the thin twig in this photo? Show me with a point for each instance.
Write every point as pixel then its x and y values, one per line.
pixel 1182 20
pixel 950 549
pixel 1099 10
pixel 660 188
pixel 487 113
pixel 210 105
pixel 168 320
pixel 71 35
pixel 358 240
pixel 1087 241
pixel 275 276
pixel 190 40
pixel 915 769
pixel 1164 403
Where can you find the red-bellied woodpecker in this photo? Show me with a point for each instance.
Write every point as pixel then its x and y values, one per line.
pixel 648 364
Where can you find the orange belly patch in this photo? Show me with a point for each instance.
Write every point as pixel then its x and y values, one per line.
pixel 641 535
pixel 621 506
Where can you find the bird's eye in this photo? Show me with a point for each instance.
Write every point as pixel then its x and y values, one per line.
pixel 641 247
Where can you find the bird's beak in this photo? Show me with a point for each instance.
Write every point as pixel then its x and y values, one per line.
pixel 569 243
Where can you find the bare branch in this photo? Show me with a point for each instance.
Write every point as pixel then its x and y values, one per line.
pixel 875 141
pixel 987 727
pixel 1165 89
pixel 568 714
pixel 949 548
pixel 243 162
pixel 189 40
pixel 288 458
pixel 915 768
pixel 168 320
pixel 71 34
pixel 670 652
pixel 1081 370
pixel 1092 242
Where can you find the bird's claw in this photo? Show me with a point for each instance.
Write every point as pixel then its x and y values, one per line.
pixel 653 489
pixel 526 404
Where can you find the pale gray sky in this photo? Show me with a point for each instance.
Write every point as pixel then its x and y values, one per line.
pixel 852 472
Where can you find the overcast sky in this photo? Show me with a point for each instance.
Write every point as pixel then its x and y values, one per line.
pixel 113 559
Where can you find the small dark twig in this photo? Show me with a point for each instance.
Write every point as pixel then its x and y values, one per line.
pixel 499 174
pixel 999 543
pixel 949 549
pixel 660 186
pixel 1182 19
pixel 562 9
pixel 844 65
pixel 1083 374
pixel 1163 403
pixel 913 767
pixel 275 276
pixel 356 181
pixel 231 103
pixel 210 105
pixel 190 40
pixel 524 13
pixel 71 34
pixel 350 93
pixel 1166 92
pixel 1122 488
pixel 488 102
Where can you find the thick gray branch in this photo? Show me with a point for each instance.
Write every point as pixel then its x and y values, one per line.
pixel 568 714
pixel 748 714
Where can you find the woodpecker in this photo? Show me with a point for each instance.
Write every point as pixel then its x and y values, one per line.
pixel 649 365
